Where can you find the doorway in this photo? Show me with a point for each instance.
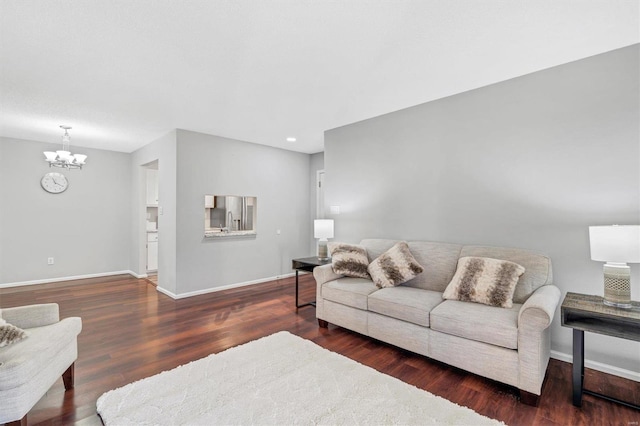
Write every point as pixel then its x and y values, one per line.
pixel 151 219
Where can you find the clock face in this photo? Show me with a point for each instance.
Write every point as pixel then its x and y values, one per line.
pixel 54 183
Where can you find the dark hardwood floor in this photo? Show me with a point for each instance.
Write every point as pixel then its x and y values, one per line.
pixel 131 331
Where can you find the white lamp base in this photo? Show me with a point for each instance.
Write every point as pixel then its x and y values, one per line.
pixel 323 252
pixel 617 285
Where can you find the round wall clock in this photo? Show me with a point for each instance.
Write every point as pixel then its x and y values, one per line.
pixel 54 182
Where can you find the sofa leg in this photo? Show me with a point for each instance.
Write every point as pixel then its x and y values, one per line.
pixel 529 398
pixel 68 377
pixel 322 323
pixel 21 422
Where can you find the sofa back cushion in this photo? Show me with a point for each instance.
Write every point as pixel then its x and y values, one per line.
pixel 537 267
pixel 439 261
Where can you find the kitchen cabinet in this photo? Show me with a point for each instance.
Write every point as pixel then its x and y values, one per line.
pixel 152 251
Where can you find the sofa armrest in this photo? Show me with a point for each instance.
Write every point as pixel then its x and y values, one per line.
pixel 324 274
pixel 534 337
pixel 32 315
pixel 539 309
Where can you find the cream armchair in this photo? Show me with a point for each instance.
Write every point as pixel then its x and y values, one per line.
pixel 31 366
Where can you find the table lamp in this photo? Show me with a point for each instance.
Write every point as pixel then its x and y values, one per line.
pixel 616 245
pixel 323 229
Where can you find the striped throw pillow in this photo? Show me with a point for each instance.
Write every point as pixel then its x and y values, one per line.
pixel 394 267
pixel 349 259
pixel 484 280
pixel 10 333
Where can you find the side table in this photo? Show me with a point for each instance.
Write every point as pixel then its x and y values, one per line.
pixel 306 264
pixel 583 312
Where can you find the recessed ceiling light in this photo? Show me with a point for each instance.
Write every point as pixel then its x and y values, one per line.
pixel 291 139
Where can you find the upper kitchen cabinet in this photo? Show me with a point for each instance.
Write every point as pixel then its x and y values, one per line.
pixel 152 187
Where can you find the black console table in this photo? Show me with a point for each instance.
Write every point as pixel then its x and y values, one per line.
pixel 587 313
pixel 306 264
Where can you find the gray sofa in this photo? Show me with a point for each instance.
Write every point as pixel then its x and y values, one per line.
pixel 507 345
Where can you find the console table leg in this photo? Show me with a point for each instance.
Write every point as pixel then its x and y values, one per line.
pixel 297 306
pixel 578 366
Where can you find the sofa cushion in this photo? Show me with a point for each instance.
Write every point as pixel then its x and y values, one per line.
pixel 349 291
pixel 349 260
pixel 484 280
pixel 482 323
pixel 10 333
pixel 405 303
pixel 20 362
pixel 394 267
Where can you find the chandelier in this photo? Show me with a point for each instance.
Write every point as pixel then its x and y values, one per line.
pixel 64 158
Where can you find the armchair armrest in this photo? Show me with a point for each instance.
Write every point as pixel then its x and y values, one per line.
pixel 32 315
pixel 324 274
pixel 539 309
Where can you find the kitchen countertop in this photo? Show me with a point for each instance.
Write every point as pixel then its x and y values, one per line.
pixel 210 233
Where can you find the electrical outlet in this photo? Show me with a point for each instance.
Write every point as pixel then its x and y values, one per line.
pixel 50 261
pixel 277 232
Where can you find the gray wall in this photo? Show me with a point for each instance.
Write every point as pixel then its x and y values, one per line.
pixel 164 151
pixel 530 162
pixel 86 228
pixel 316 162
pixel 218 166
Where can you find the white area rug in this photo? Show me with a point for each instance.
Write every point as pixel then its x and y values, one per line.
pixel 280 379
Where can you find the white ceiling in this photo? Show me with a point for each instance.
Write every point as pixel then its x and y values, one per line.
pixel 124 73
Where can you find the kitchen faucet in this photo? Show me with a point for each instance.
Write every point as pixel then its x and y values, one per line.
pixel 230 221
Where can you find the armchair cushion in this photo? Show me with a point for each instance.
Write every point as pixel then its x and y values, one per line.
pixel 19 363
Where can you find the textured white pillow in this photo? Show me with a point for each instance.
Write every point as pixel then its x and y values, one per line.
pixel 394 267
pixel 349 259
pixel 484 280
pixel 10 333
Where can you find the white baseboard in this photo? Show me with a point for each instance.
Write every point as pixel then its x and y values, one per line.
pixel 599 366
pixel 138 275
pixel 224 287
pixel 71 278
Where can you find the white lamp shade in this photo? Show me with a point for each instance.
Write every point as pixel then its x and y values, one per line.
pixel 323 228
pixel 51 156
pixel 616 243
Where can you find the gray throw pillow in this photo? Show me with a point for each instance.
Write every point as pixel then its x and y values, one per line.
pixel 394 267
pixel 350 260
pixel 10 333
pixel 484 280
